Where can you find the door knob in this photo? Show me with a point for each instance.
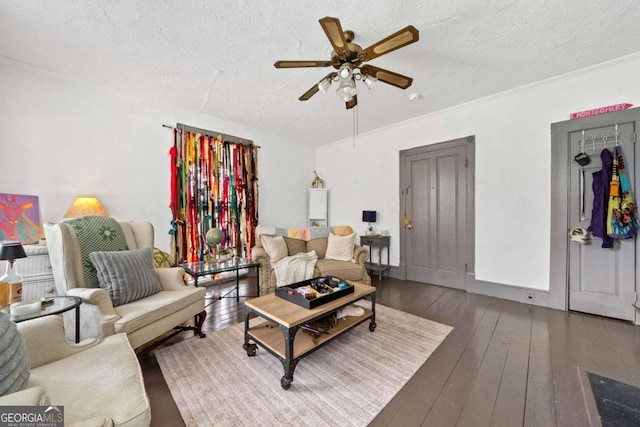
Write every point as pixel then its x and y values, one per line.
pixel 407 223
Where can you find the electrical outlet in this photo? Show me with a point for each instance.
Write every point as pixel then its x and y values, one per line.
pixel 530 296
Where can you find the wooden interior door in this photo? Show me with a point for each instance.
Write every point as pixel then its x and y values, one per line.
pixel 601 280
pixel 435 202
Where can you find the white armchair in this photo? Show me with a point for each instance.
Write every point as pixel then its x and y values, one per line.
pixel 99 382
pixel 142 320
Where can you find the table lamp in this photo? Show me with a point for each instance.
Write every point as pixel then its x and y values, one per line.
pixel 85 206
pixel 11 282
pixel 369 216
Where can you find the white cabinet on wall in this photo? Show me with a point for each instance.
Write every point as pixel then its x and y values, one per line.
pixel 318 207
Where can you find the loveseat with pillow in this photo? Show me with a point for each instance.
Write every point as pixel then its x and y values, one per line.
pixel 334 247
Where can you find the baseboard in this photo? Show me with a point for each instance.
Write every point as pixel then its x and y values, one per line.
pixel 512 293
pixel 392 272
pixel 396 272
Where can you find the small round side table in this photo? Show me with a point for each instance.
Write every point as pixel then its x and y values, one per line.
pixel 58 306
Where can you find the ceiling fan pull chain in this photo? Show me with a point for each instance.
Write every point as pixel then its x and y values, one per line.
pixel 354 127
pixel 357 121
pixel 356 130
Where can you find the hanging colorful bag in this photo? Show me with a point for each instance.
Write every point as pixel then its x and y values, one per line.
pixel 622 214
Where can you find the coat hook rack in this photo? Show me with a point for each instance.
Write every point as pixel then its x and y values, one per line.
pixel 596 141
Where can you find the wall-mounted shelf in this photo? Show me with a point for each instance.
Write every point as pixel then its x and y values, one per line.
pixel 318 207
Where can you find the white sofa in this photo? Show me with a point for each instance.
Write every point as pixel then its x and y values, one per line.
pixel 99 382
pixel 142 320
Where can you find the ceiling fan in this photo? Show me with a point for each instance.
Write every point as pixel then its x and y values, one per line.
pixel 348 59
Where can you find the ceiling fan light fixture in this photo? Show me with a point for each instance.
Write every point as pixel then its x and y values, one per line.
pixel 369 81
pixel 324 85
pixel 346 97
pixel 347 90
pixel 345 72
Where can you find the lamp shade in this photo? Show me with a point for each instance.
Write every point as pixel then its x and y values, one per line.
pixel 12 251
pixel 324 84
pixel 347 89
pixel 85 206
pixel 368 216
pixel 370 81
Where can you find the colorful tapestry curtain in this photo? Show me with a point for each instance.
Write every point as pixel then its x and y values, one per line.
pixel 214 184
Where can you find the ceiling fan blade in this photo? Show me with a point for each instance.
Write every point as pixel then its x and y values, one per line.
pixel 314 89
pixel 353 102
pixel 308 94
pixel 386 76
pixel 300 64
pixel 395 41
pixel 333 30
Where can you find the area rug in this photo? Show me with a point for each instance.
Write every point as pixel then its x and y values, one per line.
pixel 618 403
pixel 345 383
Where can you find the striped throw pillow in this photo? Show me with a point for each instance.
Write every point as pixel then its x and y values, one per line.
pixel 14 361
pixel 126 275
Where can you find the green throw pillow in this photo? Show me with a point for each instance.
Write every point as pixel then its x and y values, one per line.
pixel 126 275
pixel 96 233
pixel 14 361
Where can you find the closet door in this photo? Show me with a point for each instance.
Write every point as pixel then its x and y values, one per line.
pixel 601 280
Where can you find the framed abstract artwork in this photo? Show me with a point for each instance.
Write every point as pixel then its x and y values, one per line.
pixel 20 218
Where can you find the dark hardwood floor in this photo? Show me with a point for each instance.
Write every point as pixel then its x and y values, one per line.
pixel 504 364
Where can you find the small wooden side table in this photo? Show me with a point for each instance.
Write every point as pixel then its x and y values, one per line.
pixel 380 242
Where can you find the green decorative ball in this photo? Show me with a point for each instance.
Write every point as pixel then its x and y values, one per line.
pixel 214 236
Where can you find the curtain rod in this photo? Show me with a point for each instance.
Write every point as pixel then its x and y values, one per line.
pixel 206 132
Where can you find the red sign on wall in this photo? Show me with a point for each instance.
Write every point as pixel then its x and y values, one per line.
pixel 601 110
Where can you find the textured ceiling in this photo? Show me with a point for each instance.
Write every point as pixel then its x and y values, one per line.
pixel 217 56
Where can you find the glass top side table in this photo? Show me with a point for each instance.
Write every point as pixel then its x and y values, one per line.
pixel 58 305
pixel 203 268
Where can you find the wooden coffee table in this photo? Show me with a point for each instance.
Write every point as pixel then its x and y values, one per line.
pixel 289 344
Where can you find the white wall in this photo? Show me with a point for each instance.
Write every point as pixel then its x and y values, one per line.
pixel 60 139
pixel 513 140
